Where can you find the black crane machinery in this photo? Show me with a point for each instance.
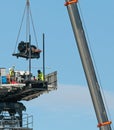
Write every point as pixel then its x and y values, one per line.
pixel 22 87
pixel 94 88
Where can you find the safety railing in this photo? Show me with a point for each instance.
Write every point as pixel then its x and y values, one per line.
pixel 15 123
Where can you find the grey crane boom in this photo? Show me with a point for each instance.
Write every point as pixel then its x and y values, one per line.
pixel 88 67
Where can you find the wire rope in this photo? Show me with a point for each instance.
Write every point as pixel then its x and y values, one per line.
pixel 34 29
pixel 29 18
pixel 20 29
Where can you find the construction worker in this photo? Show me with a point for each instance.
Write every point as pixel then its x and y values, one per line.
pixel 12 73
pixel 40 75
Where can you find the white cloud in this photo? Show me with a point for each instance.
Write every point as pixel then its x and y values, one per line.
pixel 68 96
pixel 64 96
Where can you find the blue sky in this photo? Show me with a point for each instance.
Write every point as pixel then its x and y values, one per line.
pixel 70 106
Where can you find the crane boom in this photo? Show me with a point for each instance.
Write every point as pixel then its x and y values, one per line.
pixel 99 107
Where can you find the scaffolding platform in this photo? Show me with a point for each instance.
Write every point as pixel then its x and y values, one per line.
pixel 28 90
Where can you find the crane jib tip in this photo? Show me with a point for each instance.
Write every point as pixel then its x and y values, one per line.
pixel 70 2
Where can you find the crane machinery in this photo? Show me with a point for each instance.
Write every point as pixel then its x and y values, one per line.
pixel 94 87
pixel 21 86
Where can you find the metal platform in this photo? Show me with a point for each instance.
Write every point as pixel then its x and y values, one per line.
pixel 28 90
pixel 26 55
pixel 11 110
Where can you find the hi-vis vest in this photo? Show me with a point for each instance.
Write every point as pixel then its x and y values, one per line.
pixel 11 72
pixel 40 76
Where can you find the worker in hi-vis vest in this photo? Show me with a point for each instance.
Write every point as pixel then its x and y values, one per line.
pixel 40 75
pixel 12 73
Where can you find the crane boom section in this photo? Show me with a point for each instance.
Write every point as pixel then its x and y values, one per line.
pixel 88 66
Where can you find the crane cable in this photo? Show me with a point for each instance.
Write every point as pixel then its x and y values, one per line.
pixel 109 122
pixel 28 12
pixel 34 29
pixel 20 29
